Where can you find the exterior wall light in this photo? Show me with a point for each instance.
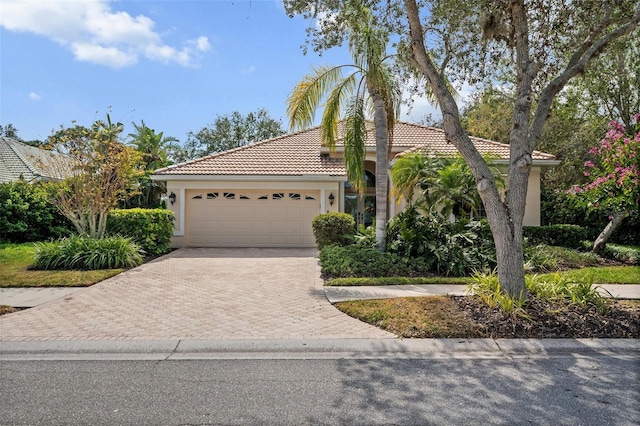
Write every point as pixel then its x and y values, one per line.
pixel 331 199
pixel 172 197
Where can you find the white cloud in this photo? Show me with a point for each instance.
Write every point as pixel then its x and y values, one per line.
pixel 202 44
pixel 250 70
pixel 95 33
pixel 109 56
pixel 34 96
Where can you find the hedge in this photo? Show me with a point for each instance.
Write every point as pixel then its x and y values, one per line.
pixel 151 229
pixel 27 215
pixel 570 236
pixel 333 229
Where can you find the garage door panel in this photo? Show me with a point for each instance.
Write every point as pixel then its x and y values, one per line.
pixel 258 219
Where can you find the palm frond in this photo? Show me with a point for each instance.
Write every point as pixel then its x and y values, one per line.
pixel 335 103
pixel 308 93
pixel 354 144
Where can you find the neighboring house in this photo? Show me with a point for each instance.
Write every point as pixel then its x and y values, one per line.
pixel 267 193
pixel 22 161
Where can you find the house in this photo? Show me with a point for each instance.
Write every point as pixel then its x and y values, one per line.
pixel 267 193
pixel 22 161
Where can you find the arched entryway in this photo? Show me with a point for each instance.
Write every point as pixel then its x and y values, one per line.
pixel 362 207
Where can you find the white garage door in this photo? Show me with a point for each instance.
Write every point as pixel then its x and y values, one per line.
pixel 238 218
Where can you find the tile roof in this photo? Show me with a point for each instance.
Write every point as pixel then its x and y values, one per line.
pixel 294 154
pixel 19 160
pixel 301 153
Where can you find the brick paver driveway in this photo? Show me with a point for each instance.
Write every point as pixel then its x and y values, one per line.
pixel 197 294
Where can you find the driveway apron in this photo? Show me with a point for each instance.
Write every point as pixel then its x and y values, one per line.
pixel 205 293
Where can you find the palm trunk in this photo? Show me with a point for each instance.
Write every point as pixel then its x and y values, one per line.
pixel 382 170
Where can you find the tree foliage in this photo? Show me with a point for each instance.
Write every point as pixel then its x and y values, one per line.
pixel 100 171
pixel 368 81
pixel 614 177
pixel 157 151
pixel 27 215
pixel 446 185
pixel 542 45
pixel 231 131
pixel 612 83
pixel 9 131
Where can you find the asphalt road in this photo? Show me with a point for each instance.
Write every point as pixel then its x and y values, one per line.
pixel 571 389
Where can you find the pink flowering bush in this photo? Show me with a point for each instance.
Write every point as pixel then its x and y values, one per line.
pixel 615 176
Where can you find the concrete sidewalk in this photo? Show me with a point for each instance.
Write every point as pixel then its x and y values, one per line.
pixel 342 294
pixel 26 297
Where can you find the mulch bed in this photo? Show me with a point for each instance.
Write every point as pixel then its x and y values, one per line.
pixel 543 319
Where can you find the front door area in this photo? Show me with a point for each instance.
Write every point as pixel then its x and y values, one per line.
pixel 362 208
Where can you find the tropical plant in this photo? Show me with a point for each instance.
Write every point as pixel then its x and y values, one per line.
pixel 410 170
pixel 370 83
pixel 446 184
pixel 524 42
pixel 101 171
pixel 87 253
pixel 156 150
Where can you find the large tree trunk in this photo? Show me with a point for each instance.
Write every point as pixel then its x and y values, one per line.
pixel 382 170
pixel 614 223
pixel 504 218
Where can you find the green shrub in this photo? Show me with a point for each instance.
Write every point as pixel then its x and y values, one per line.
pixel 88 253
pixel 333 229
pixel 151 229
pixel 570 236
pixel 487 288
pixel 451 249
pixel 359 261
pixel 27 215
pixel 558 207
pixel 626 254
pixel 557 288
pixel 543 258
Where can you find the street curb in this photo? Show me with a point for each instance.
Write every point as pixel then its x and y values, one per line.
pixel 314 349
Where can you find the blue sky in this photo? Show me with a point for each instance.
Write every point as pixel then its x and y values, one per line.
pixel 175 64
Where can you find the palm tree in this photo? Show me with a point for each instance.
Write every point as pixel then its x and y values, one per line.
pixel 412 171
pixel 155 148
pixel 447 185
pixel 369 83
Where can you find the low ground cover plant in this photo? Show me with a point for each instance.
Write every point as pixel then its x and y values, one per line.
pixel 16 270
pixel 86 253
pixel 626 254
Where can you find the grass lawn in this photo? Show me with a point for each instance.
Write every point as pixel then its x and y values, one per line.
pixel 603 275
pixel 597 275
pixel 15 260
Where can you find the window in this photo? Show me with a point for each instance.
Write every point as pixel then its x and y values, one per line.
pixel 197 197
pixel 294 196
pixel 277 196
pixel 244 197
pixel 263 197
pixel 230 195
pixel 309 197
pixel 212 195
